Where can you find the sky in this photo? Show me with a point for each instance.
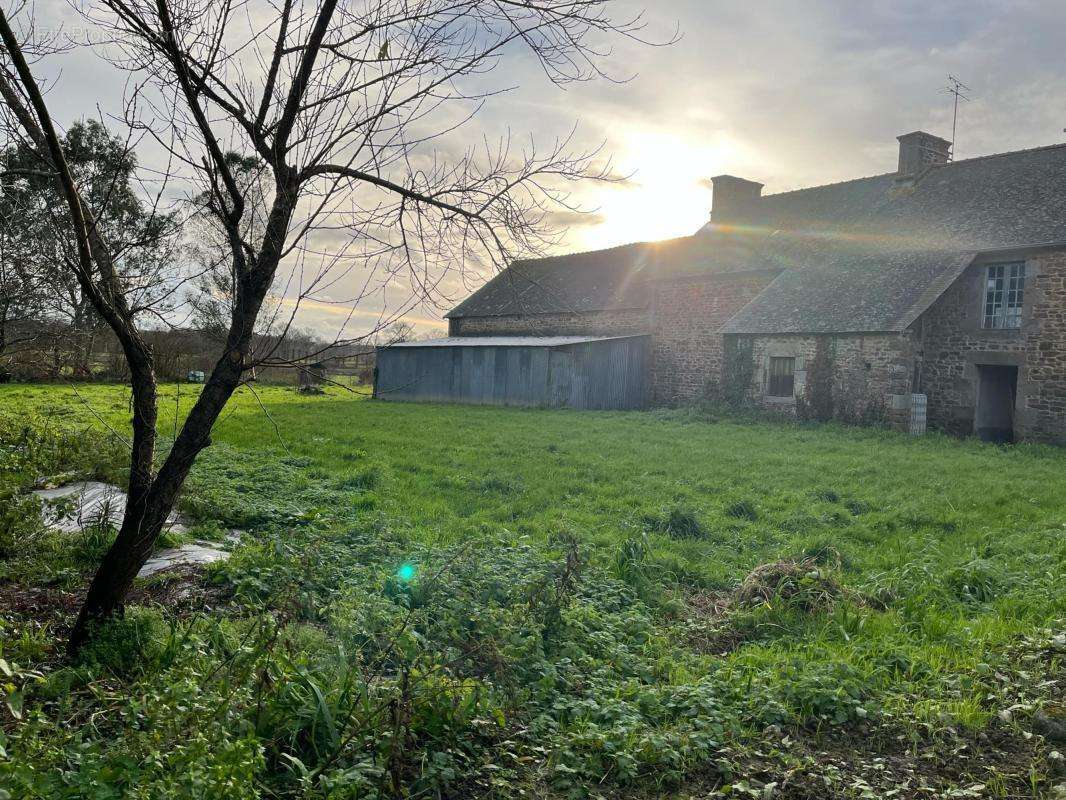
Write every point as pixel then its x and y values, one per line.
pixel 791 93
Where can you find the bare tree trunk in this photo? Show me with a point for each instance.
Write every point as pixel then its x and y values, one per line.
pixel 139 527
pixel 151 501
pixel 3 325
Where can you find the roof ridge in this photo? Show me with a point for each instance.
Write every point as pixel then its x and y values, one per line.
pixel 571 254
pixel 960 162
pixel 1005 153
pixel 827 185
pixel 643 243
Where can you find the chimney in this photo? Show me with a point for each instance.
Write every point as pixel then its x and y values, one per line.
pixel 731 197
pixel 919 150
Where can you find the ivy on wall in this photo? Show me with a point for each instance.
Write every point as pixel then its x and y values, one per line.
pixel 738 369
pixel 817 401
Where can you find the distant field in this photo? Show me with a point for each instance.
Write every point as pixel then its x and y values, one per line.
pixel 923 611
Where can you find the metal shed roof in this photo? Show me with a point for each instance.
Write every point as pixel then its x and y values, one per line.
pixel 508 341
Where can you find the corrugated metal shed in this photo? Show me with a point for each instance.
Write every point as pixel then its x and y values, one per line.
pixel 586 372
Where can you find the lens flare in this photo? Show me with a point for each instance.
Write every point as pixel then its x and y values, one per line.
pixel 406 573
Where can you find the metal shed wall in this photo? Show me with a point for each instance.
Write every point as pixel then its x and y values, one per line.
pixel 601 374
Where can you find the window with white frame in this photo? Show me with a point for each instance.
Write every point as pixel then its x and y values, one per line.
pixel 1004 294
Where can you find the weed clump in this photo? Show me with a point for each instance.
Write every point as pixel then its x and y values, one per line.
pixel 19 521
pixel 495 484
pixel 803 585
pixel 127 644
pixel 678 523
pixel 979 581
pixel 743 509
pixel 631 560
pixel 857 507
pixel 831 496
pixel 361 481
pixel 824 554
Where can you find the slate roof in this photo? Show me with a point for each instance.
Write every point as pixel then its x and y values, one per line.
pixel 863 255
pixel 591 281
pixel 507 341
pixel 616 278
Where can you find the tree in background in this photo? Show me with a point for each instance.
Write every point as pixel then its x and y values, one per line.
pixel 37 239
pixel 342 103
pixel 397 332
pixel 20 297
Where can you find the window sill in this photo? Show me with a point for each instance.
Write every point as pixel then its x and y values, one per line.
pixel 769 398
pixel 1001 331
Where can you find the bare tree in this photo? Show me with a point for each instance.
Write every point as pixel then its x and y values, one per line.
pixel 401 331
pixel 214 290
pixel 344 104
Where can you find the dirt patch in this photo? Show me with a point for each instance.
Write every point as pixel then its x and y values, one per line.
pixel 181 590
pixel 38 602
pixel 43 614
pixel 793 764
pixel 874 762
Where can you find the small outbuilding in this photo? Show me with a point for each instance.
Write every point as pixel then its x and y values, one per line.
pixel 585 372
pixel 313 374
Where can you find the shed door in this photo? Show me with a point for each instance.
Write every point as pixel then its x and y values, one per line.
pixel 560 374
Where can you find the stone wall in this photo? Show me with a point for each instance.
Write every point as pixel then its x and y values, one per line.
pixel 687 347
pixel 1045 363
pixel 865 373
pixel 954 343
pixel 620 322
pixel 868 371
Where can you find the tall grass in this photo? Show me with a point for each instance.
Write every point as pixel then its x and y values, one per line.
pixel 600 595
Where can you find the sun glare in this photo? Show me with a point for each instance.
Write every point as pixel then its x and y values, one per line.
pixel 668 194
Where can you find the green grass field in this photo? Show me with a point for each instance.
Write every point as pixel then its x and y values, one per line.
pixel 461 601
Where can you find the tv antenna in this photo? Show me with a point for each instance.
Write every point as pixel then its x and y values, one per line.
pixel 957 89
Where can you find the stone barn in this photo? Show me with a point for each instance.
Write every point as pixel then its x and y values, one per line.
pixel 941 283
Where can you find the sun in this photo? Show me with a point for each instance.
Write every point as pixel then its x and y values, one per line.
pixel 668 193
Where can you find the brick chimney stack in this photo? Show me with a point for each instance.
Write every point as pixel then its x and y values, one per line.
pixel 732 197
pixel 919 150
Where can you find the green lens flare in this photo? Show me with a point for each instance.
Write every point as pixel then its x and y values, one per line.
pixel 406 572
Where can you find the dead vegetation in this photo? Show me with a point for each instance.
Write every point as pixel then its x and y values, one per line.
pixel 802 584
pixel 719 622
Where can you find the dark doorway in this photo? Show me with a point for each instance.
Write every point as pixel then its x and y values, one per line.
pixel 997 388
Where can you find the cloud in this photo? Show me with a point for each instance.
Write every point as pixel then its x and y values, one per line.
pixel 788 94
pixel 573 219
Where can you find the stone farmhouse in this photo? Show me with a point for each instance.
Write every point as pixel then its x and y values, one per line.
pixel 941 284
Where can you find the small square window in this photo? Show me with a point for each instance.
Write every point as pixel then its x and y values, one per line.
pixel 1004 295
pixel 782 381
